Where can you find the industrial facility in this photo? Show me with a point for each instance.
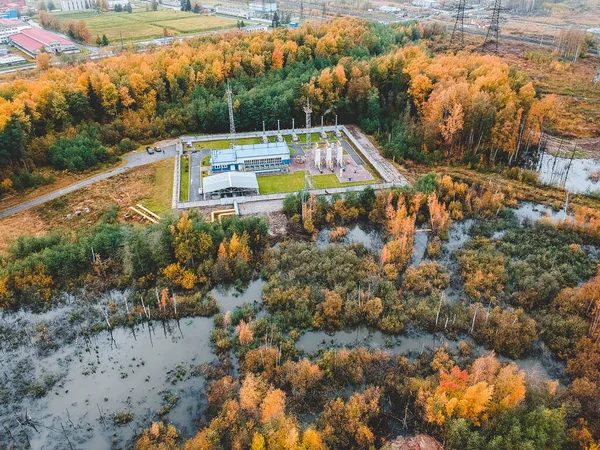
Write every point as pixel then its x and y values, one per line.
pixel 257 158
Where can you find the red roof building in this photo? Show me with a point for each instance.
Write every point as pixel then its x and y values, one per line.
pixel 33 40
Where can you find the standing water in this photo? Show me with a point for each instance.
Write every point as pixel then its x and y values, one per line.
pixel 109 386
pixel 577 175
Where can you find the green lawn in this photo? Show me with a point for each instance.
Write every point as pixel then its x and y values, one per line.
pixel 162 180
pixel 206 161
pixel 224 143
pixel 331 181
pixel 142 24
pixel 314 137
pixel 290 182
pixel 184 179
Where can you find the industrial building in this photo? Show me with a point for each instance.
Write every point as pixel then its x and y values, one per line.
pixel 75 5
pixel 263 7
pixel 33 40
pixel 233 11
pixel 229 184
pixel 259 158
pixel 8 27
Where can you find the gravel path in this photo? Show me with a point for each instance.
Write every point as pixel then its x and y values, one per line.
pixel 132 160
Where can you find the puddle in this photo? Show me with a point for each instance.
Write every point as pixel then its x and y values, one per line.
pixel 553 171
pixel 230 299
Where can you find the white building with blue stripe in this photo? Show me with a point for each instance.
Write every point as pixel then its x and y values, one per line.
pixel 257 158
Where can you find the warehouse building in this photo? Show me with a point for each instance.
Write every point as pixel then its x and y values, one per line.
pixel 8 27
pixel 33 40
pixel 258 158
pixel 229 184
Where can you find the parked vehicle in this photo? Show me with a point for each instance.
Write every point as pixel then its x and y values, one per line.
pixel 157 149
pixel 149 150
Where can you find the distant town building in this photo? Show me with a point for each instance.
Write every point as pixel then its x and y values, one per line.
pixel 9 60
pixel 75 5
pixel 11 13
pixel 263 7
pixel 255 28
pixel 389 9
pixel 113 3
pixel 33 40
pixel 8 27
pixel 259 158
pixel 233 11
pixel 425 3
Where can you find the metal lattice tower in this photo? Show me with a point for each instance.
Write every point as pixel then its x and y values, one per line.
pixel 493 34
pixel 301 9
pixel 458 32
pixel 324 14
pixel 308 112
pixel 231 120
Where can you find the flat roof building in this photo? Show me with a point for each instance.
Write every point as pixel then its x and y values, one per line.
pixel 233 11
pixel 259 158
pixel 229 184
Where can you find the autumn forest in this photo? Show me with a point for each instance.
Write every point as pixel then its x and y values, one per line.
pixel 423 107
pixel 461 311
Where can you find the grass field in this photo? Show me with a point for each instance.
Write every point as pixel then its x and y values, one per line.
pixel 224 143
pixel 162 188
pixel 272 184
pixel 314 137
pixel 184 179
pixel 332 181
pixel 142 24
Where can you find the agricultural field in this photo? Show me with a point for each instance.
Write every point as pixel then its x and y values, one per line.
pixel 142 24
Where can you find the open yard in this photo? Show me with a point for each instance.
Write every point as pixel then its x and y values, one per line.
pixel 149 185
pixel 314 137
pixel 272 184
pixel 332 181
pixel 142 24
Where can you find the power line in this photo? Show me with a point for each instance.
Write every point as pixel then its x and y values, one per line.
pixel 458 33
pixel 493 34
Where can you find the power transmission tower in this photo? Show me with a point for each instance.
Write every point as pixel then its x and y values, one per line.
pixel 458 33
pixel 231 121
pixel 308 112
pixel 493 33
pixel 324 14
pixel 308 159
pixel 301 9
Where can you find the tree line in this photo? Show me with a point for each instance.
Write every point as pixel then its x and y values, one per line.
pixel 420 107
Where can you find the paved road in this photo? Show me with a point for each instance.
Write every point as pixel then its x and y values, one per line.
pixel 132 160
pixel 196 158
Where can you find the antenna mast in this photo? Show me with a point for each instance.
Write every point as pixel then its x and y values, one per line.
pixel 458 32
pixel 231 121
